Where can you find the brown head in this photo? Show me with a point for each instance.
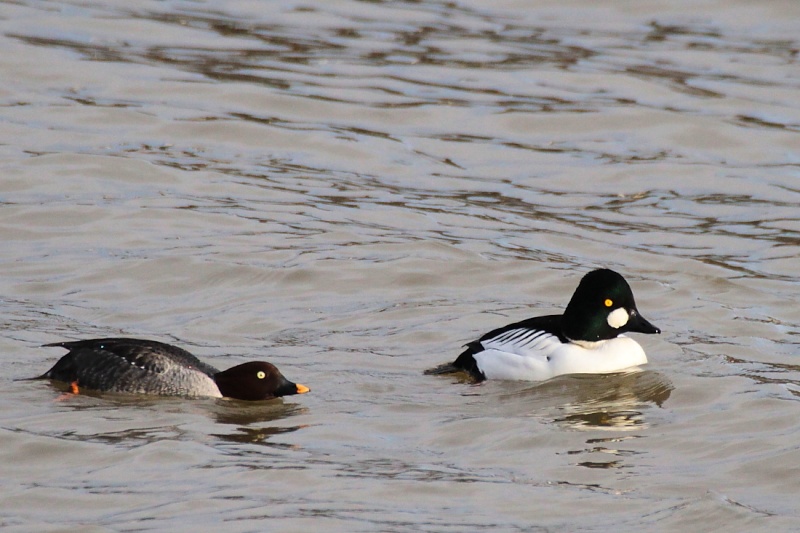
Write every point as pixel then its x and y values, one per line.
pixel 256 381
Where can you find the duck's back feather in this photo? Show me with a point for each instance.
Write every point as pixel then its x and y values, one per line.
pixel 534 336
pixel 135 366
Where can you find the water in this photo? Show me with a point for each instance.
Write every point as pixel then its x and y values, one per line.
pixel 353 190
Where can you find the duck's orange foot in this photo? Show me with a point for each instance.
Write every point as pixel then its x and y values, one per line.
pixel 73 389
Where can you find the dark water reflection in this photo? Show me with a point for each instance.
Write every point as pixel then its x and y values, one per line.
pixel 378 59
pixel 246 419
pixel 618 401
pixel 282 55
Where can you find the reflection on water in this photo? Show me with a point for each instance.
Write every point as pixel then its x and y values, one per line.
pixel 607 447
pixel 609 401
pixel 785 375
pixel 244 415
pixel 238 413
pixel 246 435
pixel 111 408
pixel 617 402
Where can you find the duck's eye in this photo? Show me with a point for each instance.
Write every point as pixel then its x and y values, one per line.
pixel 608 302
pixel 261 374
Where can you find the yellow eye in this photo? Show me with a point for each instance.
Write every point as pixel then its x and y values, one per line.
pixel 261 374
pixel 608 302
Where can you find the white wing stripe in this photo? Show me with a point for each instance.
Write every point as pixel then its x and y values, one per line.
pixel 521 341
pixel 521 336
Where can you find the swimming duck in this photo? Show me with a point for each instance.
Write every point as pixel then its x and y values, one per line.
pixel 150 367
pixel 587 339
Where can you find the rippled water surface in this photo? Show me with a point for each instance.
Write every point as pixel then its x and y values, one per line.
pixel 353 190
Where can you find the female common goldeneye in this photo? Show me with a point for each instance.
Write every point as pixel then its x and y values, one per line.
pixel 149 367
pixel 587 339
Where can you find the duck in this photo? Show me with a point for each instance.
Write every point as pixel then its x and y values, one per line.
pixel 140 366
pixel 588 338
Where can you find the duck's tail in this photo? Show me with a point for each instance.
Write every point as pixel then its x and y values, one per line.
pixel 446 368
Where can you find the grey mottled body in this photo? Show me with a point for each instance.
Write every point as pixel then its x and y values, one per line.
pixel 134 366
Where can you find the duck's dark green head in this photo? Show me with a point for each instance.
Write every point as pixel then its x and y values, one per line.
pixel 602 308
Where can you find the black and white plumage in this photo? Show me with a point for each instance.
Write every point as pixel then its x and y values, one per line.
pixel 587 339
pixel 149 367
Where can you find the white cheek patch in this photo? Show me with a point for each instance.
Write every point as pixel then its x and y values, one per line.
pixel 618 318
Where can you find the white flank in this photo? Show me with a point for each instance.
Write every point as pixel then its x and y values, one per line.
pixel 504 358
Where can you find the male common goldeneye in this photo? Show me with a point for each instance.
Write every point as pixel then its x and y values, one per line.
pixel 587 339
pixel 149 367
